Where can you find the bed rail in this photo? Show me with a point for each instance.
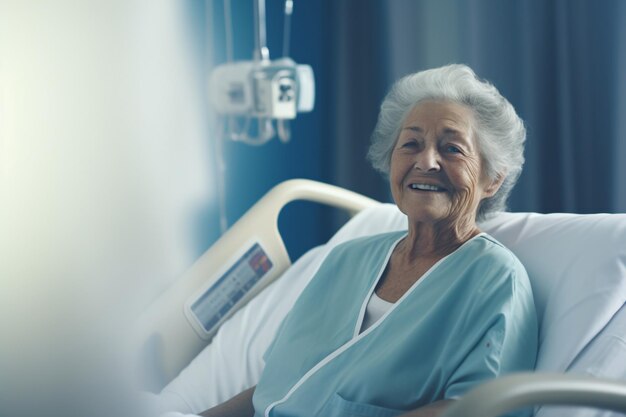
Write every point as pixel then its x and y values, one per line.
pixel 509 393
pixel 181 322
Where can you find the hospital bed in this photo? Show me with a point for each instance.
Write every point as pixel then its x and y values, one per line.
pixel 215 323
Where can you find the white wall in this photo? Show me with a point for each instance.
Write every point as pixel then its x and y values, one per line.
pixel 104 162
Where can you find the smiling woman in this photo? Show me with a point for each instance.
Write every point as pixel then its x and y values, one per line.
pixel 436 165
pixel 412 320
pixel 496 129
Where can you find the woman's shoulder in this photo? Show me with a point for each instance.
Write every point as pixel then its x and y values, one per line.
pixel 494 262
pixel 486 247
pixel 372 247
pixel 380 240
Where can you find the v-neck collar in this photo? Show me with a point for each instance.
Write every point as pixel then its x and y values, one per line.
pixel 357 330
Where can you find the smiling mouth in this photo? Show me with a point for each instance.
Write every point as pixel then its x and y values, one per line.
pixel 427 187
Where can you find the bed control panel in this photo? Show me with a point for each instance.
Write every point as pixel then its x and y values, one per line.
pixel 208 308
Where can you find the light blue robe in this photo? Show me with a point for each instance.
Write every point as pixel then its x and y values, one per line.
pixel 470 318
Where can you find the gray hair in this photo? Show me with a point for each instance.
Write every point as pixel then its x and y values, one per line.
pixel 500 132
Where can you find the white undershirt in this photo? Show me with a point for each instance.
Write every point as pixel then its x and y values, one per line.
pixel 376 307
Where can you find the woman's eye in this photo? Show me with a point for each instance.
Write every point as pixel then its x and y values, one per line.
pixel 452 149
pixel 409 144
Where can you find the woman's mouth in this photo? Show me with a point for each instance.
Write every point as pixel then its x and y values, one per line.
pixel 426 187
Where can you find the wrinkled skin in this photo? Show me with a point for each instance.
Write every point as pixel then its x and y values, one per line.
pixel 437 147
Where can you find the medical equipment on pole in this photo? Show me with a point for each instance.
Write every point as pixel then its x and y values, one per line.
pixel 251 97
pixel 261 90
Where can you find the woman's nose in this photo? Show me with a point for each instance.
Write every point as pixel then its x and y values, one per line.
pixel 427 160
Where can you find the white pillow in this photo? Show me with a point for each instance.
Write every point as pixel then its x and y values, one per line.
pixel 577 267
pixel 576 263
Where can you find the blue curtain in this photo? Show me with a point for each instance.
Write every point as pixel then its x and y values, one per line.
pixel 561 63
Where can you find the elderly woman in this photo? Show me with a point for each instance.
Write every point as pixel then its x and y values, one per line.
pixel 404 322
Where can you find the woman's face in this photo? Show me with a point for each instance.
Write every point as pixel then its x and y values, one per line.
pixel 436 169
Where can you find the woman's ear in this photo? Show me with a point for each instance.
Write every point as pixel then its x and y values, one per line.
pixel 494 185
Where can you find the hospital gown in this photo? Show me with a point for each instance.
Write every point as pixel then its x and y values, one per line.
pixel 470 318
